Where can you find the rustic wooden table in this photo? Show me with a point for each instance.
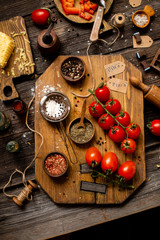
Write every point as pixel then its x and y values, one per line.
pixel 41 218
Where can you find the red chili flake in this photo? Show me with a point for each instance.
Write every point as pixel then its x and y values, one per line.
pixel 55 164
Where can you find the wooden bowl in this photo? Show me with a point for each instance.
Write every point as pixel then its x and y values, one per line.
pixel 76 120
pixel 148 11
pixel 57 175
pixel 77 60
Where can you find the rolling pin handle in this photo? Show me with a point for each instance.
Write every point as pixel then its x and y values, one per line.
pixel 138 84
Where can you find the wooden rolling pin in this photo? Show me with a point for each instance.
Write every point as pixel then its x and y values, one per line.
pixel 152 94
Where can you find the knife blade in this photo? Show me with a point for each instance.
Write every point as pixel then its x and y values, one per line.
pixel 98 21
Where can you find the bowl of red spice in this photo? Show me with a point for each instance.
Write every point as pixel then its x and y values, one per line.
pixel 55 164
pixel 73 69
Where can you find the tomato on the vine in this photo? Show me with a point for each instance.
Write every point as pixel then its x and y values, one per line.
pixel 128 146
pixel 133 130
pixel 154 127
pixel 123 118
pixel 106 121
pixel 102 93
pixel 117 134
pixel 93 156
pixel 109 162
pixel 95 109
pixel 40 16
pixel 127 170
pixel 113 106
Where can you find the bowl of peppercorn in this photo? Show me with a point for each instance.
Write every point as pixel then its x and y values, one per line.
pixel 73 69
pixel 55 164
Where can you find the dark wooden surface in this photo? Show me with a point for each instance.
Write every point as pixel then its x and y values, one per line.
pixel 41 218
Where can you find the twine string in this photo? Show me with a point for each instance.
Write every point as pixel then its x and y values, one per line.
pixel 26 191
pixel 89 59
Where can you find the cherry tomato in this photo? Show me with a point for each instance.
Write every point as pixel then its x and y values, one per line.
pixel 93 156
pixel 128 146
pixel 102 93
pixel 106 121
pixel 40 16
pixel 113 106
pixel 127 170
pixel 133 130
pixel 95 109
pixel 117 134
pixel 109 162
pixel 154 127
pixel 123 118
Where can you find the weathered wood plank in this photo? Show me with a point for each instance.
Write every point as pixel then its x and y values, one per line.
pixel 41 213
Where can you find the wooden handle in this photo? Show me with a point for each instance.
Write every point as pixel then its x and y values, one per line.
pixel 82 114
pixel 153 96
pixel 137 37
pixel 138 84
pixel 97 24
pixel 149 10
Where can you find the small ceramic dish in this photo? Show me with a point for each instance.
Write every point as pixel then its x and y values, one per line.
pixel 78 135
pixel 55 164
pixel 73 69
pixel 147 11
pixel 61 103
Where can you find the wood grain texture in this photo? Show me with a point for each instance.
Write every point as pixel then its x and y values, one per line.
pixel 41 218
pixel 21 61
pixel 132 102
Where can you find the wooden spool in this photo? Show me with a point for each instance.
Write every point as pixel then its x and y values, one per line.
pixel 25 193
pixel 119 20
pixel 152 94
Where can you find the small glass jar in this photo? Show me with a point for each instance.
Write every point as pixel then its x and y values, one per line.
pixel 19 106
pixel 4 122
pixel 13 146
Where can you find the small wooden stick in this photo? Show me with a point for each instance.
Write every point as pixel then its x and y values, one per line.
pixel 81 123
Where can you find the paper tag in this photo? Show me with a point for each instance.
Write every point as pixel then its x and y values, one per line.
pixel 146 42
pixel 117 85
pixel 114 68
pixel 135 3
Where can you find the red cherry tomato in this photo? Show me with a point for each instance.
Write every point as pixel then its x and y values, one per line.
pixel 154 127
pixel 109 162
pixel 127 170
pixel 40 16
pixel 128 146
pixel 133 130
pixel 123 118
pixel 113 106
pixel 93 156
pixel 117 134
pixel 106 121
pixel 102 93
pixel 95 109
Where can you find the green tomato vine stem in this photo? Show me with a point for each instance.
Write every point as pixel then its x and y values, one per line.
pixel 124 128
pixel 123 185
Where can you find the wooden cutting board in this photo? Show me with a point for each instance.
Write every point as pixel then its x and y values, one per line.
pixel 20 62
pixel 69 189
pixel 77 19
